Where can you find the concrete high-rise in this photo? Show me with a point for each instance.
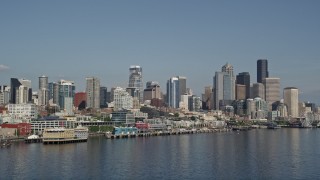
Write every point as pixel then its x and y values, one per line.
pixel 43 94
pixel 152 91
pixel 272 90
pixel 54 92
pixel 291 99
pixel 241 92
pixel 244 79
pixel 4 95
pixel 93 92
pixel 207 98
pixel 262 70
pixel 258 90
pixel 135 80
pixel 182 85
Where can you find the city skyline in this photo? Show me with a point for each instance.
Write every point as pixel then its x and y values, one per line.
pixel 105 38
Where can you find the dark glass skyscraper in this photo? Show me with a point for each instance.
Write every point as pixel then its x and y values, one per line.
pixel 262 70
pixel 103 97
pixel 14 85
pixel 244 79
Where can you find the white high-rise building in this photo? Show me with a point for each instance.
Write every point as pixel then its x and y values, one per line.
pixel 4 94
pixel 291 99
pixel 272 90
pixel 122 99
pixel 23 111
pixel 93 92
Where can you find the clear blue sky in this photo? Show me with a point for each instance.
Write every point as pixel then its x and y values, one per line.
pixel 75 39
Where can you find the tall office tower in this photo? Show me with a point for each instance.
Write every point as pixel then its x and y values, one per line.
pixel 224 87
pixel 93 92
pixel 272 90
pixel 291 99
pixel 112 94
pixel 173 92
pixel 244 79
pixel 152 91
pixel 4 95
pixel 228 69
pixel 262 70
pixel 182 85
pixel 207 98
pixel 14 85
pixel 194 103
pixel 20 90
pixel 66 95
pixel 135 80
pixel 103 97
pixel 122 99
pixel 43 94
pixel 54 92
pixel 258 90
pixel 240 92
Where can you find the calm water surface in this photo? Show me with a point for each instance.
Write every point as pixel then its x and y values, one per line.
pixel 256 154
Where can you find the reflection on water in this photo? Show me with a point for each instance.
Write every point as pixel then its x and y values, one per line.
pixel 256 154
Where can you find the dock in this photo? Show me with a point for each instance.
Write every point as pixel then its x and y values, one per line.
pixel 163 133
pixel 63 141
pixel 35 140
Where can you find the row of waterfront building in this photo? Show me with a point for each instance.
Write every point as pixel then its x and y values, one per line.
pixel 235 95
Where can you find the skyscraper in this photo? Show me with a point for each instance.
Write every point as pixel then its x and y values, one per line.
pixel 262 70
pixel 20 90
pixel 4 95
pixel 14 86
pixel 207 98
pixel 224 86
pixel 258 90
pixel 66 95
pixel 93 92
pixel 135 80
pixel 173 92
pixel 244 79
pixel 54 92
pixel 272 90
pixel 43 94
pixel 103 97
pixel 291 99
pixel 230 82
pixel 241 92
pixel 182 85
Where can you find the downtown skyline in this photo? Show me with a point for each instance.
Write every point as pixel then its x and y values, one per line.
pixel 166 39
